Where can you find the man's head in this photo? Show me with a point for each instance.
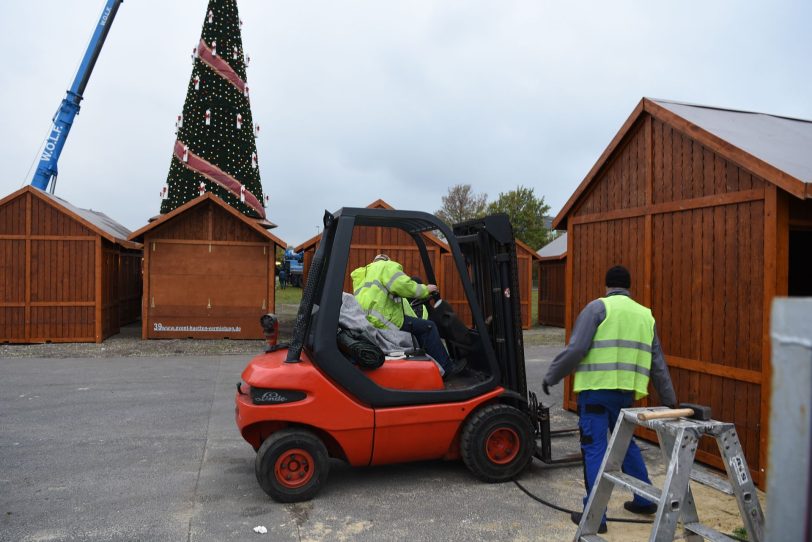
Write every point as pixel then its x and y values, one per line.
pixel 618 277
pixel 380 257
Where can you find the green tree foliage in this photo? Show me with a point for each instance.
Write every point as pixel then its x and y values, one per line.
pixel 461 204
pixel 526 212
pixel 216 135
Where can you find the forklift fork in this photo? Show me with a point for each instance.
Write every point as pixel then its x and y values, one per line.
pixel 544 435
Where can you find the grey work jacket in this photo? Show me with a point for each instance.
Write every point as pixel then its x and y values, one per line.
pixel 584 330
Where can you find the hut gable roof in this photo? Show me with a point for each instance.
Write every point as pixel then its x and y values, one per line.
pixel 521 245
pixel 208 196
pixel 773 147
pixel 96 221
pixel 555 249
pixel 377 204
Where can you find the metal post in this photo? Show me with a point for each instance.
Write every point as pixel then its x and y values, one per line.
pixel 789 475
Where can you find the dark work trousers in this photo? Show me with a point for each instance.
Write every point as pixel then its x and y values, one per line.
pixel 598 411
pixel 428 337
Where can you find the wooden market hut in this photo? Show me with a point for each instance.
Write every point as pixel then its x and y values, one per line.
pixel 369 241
pixel 209 272
pixel 552 265
pixel 711 211
pixel 526 258
pixel 66 274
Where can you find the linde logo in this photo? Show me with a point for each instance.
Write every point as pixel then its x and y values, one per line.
pixel 272 397
pixel 50 144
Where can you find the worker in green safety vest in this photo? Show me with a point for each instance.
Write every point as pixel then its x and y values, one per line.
pixel 614 352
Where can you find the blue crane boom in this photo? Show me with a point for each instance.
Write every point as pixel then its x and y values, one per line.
pixel 47 171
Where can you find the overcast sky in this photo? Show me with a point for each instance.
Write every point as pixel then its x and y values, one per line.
pixel 359 100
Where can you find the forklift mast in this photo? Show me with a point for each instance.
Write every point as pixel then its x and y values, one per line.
pixel 489 249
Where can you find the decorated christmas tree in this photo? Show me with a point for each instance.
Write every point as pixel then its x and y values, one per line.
pixel 216 150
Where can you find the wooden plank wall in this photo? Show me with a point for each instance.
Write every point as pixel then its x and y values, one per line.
pixel 49 282
pixel 524 262
pixel 551 292
pixel 695 231
pixel 13 265
pixel 206 269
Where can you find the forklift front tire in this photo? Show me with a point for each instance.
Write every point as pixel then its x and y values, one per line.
pixel 292 465
pixel 497 443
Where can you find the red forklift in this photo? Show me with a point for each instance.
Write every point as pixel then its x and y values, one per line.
pixel 301 403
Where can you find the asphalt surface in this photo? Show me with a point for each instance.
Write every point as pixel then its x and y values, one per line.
pixel 146 448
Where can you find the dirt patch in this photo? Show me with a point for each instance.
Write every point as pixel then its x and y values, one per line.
pixel 544 336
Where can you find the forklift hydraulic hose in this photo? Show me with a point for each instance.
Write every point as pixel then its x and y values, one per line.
pixel 568 511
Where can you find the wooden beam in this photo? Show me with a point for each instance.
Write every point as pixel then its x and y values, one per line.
pixel 145 290
pixel 648 230
pixel 202 242
pixel 715 369
pixel 674 206
pixel 770 276
pixel 99 267
pixel 27 311
pixel 568 303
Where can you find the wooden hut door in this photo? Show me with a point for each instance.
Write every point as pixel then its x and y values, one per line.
pixel 207 290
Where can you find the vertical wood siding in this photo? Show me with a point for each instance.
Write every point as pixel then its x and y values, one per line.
pixel 551 297
pixel 704 272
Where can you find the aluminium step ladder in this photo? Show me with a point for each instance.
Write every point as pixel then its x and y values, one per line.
pixel 679 439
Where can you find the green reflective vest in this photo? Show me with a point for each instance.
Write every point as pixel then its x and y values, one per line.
pixel 620 355
pixel 380 288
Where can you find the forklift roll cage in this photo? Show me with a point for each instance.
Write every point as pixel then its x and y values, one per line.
pixel 481 249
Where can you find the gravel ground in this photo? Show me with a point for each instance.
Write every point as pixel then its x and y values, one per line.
pixel 128 343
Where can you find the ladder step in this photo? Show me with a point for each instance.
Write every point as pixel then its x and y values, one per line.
pixel 592 538
pixel 707 533
pixel 637 487
pixel 711 480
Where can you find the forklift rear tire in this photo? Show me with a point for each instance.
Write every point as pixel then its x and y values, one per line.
pixel 497 443
pixel 292 465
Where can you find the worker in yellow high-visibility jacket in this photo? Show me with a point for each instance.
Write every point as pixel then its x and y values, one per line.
pixel 380 288
pixel 614 352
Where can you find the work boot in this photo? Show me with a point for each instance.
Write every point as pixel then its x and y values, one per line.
pixel 645 509
pixel 455 368
pixel 576 519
